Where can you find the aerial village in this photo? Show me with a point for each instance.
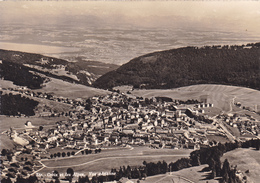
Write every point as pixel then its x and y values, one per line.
pixel 119 120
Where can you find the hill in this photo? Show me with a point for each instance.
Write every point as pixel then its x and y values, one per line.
pixel 230 65
pixel 16 65
pixel 245 159
pixel 222 96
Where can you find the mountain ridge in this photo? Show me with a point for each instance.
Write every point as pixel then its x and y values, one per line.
pixel 82 72
pixel 230 65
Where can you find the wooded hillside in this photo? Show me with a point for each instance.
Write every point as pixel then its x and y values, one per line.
pixel 231 65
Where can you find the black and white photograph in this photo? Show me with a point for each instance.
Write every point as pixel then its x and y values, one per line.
pixel 130 91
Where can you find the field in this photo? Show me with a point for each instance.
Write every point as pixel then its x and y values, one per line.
pixel 193 174
pixel 114 158
pixel 245 159
pixel 217 138
pixel 70 90
pixel 221 96
pixel 6 142
pixel 63 89
pixel 18 123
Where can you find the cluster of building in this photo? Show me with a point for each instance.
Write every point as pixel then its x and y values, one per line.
pixel 117 119
pixel 247 125
pixel 121 120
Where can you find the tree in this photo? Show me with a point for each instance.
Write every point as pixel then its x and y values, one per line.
pixel 94 179
pixel 144 175
pixel 3 152
pixel 218 167
pixel 9 157
pixel 6 180
pixel 40 128
pixel 20 179
pixel 69 174
pixel 128 172
pixel 55 175
pixel 225 167
pixel 119 174
pixel 63 154
pixel 144 163
pixel 225 171
pixel 32 179
pixel 68 153
pixel 83 179
pixel 164 167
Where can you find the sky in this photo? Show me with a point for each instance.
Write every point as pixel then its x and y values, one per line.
pixel 241 14
pixel 117 31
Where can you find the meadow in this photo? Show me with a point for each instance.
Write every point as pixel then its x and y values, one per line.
pixel 113 158
pixel 192 174
pixel 245 159
pixel 70 90
pixel 222 96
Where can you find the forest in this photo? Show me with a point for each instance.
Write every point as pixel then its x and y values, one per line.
pixel 78 68
pixel 228 65
pixel 16 105
pixel 20 75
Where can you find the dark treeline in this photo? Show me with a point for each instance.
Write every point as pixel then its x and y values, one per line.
pixel 231 65
pixel 210 156
pixel 17 105
pixel 20 75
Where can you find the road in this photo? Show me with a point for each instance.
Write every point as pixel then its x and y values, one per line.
pixel 232 102
pixel 229 135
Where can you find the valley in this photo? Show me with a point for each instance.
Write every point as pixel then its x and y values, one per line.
pixel 140 133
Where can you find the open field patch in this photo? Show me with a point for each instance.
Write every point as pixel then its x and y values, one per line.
pixel 217 138
pixel 193 174
pixel 221 96
pixel 106 160
pixel 70 90
pixel 6 142
pixel 245 159
pixel 106 164
pixel 19 122
pixel 115 153
pixel 7 84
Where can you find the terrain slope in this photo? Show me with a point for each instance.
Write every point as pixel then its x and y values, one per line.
pixel 230 65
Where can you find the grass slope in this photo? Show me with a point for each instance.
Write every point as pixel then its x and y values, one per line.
pixel 70 90
pixel 245 159
pixel 115 158
pixel 193 174
pixel 222 96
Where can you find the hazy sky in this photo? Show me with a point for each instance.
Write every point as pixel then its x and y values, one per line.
pixel 241 15
pixel 117 31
